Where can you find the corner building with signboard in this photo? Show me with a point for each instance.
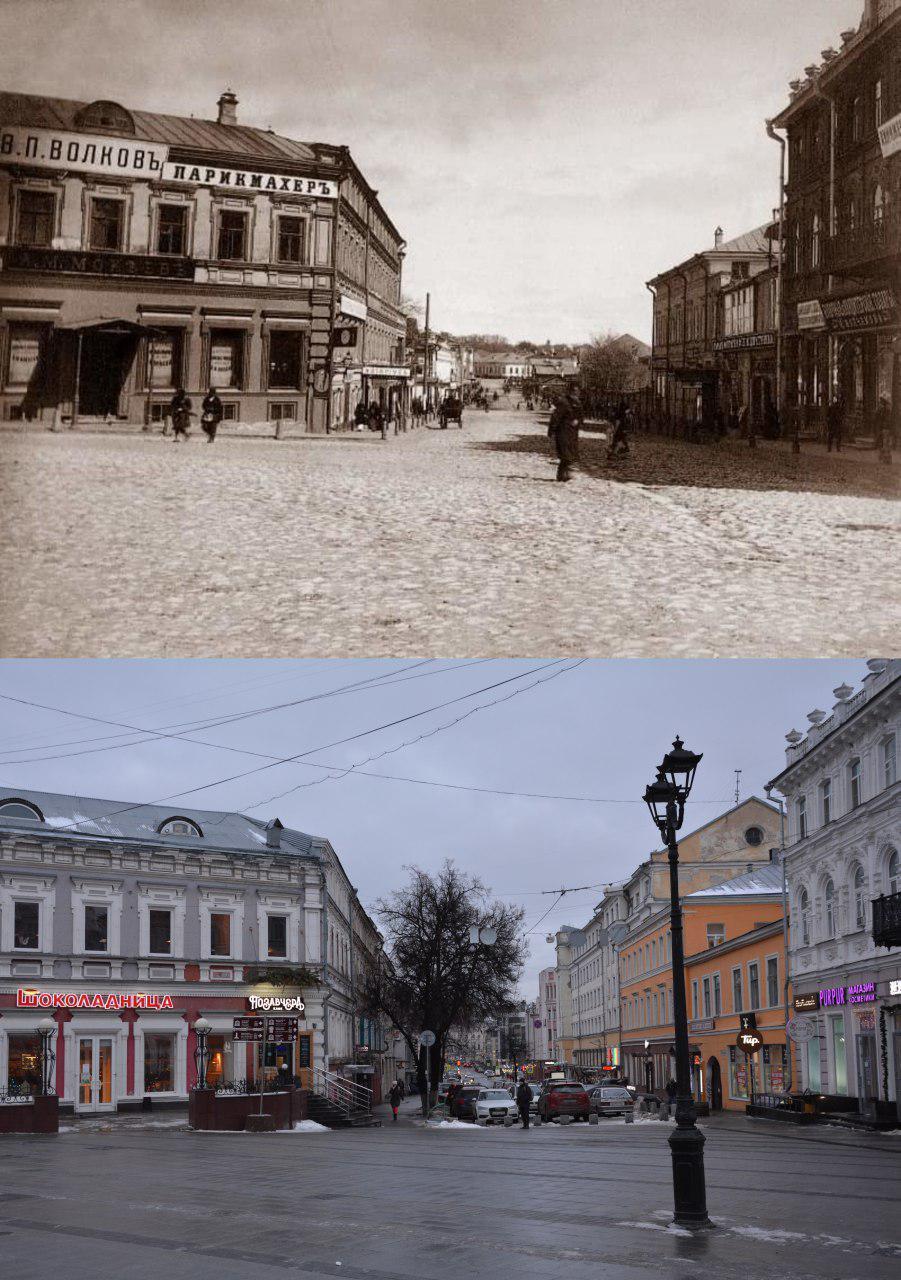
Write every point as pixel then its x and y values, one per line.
pixel 843 866
pixel 142 252
pixel 124 923
pixel 842 246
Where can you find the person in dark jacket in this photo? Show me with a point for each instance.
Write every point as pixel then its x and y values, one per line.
pixel 394 1097
pixel 523 1102
pixel 211 414
pixel 180 411
pixel 835 424
pixel 376 416
pixel 671 1091
pixel 619 441
pixel 360 416
pixel 566 419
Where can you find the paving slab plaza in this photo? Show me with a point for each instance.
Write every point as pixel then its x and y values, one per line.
pixel 450 542
pixel 404 1203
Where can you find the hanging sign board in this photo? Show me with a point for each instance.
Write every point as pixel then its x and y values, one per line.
pixel 748 1041
pixel 890 135
pixel 807 1003
pixel 800 1029
pixel 249 180
pixel 281 1030
pixel 252 1037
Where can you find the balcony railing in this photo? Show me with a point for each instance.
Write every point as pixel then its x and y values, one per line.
pixel 887 920
pixel 872 242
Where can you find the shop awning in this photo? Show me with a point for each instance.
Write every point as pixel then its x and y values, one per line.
pixel 107 324
pixel 285 322
pixel 167 318
pixel 214 321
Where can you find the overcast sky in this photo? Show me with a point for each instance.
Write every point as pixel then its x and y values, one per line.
pixel 596 730
pixel 543 158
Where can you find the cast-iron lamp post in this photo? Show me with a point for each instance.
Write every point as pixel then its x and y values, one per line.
pixel 202 1029
pixel 46 1028
pixel 665 798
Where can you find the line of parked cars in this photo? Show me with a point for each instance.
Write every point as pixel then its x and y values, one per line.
pixel 496 1103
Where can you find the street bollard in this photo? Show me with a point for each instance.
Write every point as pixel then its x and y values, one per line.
pixel 663 1113
pixel 592 1117
pixel 630 1118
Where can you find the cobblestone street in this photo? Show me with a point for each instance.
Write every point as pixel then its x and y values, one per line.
pixel 441 542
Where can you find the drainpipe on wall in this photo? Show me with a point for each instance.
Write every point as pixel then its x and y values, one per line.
pixel 780 259
pixel 787 1086
pixel 830 279
pixel 325 982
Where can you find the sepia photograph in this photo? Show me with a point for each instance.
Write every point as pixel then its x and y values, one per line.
pixel 492 328
pixel 450 462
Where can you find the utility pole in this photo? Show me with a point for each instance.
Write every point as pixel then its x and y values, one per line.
pixel 425 359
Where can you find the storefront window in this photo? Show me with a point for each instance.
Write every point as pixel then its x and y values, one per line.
pixel 220 934
pixel 284 359
pixel 773 1068
pixel 839 1059
pixel 159 1063
pixel 26 916
pixel 738 1074
pixel 164 357
pixel 226 358
pixel 813 1065
pixel 26 345
pixel 161 933
pixel 24 1061
pixel 95 928
pixel 219 1069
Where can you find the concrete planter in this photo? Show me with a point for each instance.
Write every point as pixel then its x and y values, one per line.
pixel 40 1115
pixel 234 1112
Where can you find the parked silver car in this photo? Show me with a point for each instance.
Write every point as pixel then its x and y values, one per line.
pixel 495 1106
pixel 610 1100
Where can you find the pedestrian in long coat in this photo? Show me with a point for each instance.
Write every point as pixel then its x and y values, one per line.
pixel 211 414
pixel 180 410
pixel 523 1102
pixel 835 422
pixel 566 419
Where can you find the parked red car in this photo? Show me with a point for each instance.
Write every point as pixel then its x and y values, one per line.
pixel 563 1098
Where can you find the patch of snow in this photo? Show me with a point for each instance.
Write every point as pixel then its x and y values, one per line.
pixel 774 1234
pixel 644 1226
pixel 307 1126
pixel 455 1124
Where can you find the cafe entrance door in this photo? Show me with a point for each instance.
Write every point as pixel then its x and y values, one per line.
pixel 94 1087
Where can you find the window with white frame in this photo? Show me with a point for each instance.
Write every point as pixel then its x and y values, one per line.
pixel 804 913
pixel 860 906
pixel 737 1001
pixel 26 913
pixel 829 908
pixel 26 925
pixel 706 989
pixel 694 998
pixel 772 981
pixel 854 783
pixel 161 920
pixel 221 924
pixel 889 748
pixel 716 935
pixel 894 871
pixel 97 916
pixel 717 996
pixel 754 985
pixel 826 800
pixel 801 809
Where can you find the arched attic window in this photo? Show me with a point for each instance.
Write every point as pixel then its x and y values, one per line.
pixel 16 808
pixel 178 826
pixel 105 117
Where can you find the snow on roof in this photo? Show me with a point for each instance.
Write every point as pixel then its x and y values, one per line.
pixel 765 879
pixel 125 820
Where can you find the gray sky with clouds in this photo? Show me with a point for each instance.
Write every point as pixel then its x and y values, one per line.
pixel 543 159
pixel 597 730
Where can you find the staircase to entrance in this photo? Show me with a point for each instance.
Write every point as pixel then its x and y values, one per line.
pixel 339 1103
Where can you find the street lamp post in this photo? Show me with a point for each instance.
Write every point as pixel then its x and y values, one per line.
pixel 648 1069
pixel 665 798
pixel 46 1028
pixel 202 1029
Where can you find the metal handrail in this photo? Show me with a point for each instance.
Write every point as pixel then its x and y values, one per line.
pixel 342 1093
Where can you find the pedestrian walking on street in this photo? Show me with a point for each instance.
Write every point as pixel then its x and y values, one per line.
pixel 672 1090
pixel 882 428
pixel 360 415
pixel 180 411
pixel 566 419
pixel 523 1102
pixel 211 415
pixel 619 441
pixel 394 1097
pixel 835 424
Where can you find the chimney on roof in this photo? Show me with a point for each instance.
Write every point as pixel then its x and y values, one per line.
pixel 228 108
pixel 718 237
pixel 274 831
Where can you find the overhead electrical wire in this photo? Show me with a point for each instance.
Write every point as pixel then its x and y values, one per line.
pixel 274 762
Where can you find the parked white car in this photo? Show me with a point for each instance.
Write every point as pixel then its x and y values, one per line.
pixel 495 1106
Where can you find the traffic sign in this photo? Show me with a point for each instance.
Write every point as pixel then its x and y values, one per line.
pixel 801 1029
pixel 427 1039
pixel 749 1041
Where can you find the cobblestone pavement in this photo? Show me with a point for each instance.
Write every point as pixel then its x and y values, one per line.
pixel 407 1203
pixel 441 542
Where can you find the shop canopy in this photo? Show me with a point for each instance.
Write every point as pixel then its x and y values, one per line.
pixel 108 324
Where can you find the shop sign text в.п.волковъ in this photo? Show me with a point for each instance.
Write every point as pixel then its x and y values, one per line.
pixel 28 999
